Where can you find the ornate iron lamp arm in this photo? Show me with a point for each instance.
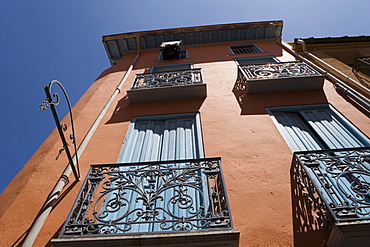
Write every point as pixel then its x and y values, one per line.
pixel 49 102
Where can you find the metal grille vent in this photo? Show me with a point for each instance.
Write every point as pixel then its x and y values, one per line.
pixel 245 49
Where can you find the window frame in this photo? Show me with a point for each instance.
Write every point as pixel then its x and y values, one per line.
pixel 256 60
pixel 170 67
pixel 231 47
pixel 184 51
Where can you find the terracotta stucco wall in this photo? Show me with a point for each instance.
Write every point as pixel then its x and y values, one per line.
pixel 255 158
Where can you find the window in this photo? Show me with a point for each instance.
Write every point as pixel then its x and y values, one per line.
pixel 175 137
pixel 316 127
pixel 245 49
pixel 335 180
pixel 171 51
pixel 163 185
pixel 180 54
pixel 171 67
pixel 163 138
pixel 256 60
pixel 362 64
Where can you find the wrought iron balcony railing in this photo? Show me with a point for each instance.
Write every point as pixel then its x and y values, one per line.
pixel 141 198
pixel 169 85
pixel 363 64
pixel 167 78
pixel 278 77
pixel 336 182
pixel 278 70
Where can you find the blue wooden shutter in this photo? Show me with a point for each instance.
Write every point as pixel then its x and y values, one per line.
pixel 317 128
pixel 143 142
pixel 181 140
pixel 334 130
pixel 155 140
pixel 169 139
pixel 296 133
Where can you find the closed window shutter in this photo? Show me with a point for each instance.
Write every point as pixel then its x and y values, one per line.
pixel 334 132
pixel 337 133
pixel 143 142
pixel 170 139
pixel 297 134
pixel 322 127
pixel 180 140
pixel 156 140
pixel 317 129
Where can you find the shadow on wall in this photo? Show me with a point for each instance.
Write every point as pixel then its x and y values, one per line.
pixel 308 214
pixel 256 103
pixel 55 236
pixel 19 242
pixel 125 111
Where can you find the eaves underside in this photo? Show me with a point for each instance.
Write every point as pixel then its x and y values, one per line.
pixel 119 44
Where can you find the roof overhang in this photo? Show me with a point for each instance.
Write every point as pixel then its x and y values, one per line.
pixel 118 44
pixel 333 42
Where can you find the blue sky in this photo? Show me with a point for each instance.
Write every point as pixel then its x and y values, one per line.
pixel 45 40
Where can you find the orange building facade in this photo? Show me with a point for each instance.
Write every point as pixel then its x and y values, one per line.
pixel 226 94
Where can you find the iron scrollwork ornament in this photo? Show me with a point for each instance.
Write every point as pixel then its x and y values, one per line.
pixel 278 70
pixel 167 78
pixel 160 196
pixel 342 179
pixel 52 100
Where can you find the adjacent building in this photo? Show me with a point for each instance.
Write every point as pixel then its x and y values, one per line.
pixel 218 135
pixel 346 58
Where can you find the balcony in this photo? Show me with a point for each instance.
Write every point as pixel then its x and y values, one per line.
pixel 278 77
pixel 169 85
pixel 363 64
pixel 336 184
pixel 152 203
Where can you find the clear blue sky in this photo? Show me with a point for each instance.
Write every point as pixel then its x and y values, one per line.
pixel 45 40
